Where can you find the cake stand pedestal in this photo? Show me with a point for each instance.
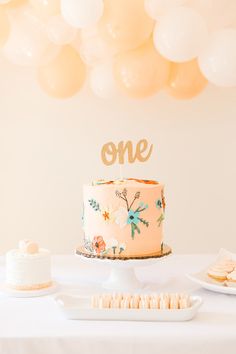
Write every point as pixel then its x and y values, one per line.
pixel 122 275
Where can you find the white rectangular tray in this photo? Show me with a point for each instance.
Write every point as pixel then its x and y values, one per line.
pixel 78 308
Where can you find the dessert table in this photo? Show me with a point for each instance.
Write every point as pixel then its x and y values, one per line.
pixel 36 326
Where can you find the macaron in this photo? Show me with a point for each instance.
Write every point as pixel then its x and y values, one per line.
pixel 164 303
pixel 125 303
pixel 174 302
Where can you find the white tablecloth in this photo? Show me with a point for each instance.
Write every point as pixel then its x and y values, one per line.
pixel 35 325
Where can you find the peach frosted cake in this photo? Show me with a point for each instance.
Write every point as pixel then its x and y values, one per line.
pixel 28 267
pixel 123 218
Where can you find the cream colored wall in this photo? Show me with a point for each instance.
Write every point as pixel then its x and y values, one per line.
pixel 49 148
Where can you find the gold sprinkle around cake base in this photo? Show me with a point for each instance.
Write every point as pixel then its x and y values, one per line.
pixel 166 250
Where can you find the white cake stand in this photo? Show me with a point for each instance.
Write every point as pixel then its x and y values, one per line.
pixel 122 271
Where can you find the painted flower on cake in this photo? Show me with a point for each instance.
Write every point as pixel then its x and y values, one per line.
pixel 107 214
pixel 112 244
pixel 99 244
pixel 133 217
pixel 158 203
pixel 122 247
pixel 160 219
pixel 103 247
pixel 121 216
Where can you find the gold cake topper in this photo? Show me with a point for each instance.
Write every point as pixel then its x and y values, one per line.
pixel 111 152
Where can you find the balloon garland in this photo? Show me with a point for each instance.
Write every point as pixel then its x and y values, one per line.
pixel 137 47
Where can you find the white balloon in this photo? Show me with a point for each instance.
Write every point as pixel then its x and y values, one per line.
pixel 181 34
pixel 60 32
pixel 28 44
pixel 156 8
pixel 218 60
pixel 218 13
pixel 102 81
pixel 81 13
pixel 92 48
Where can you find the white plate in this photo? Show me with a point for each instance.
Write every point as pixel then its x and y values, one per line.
pixel 78 308
pixel 29 293
pixel 202 279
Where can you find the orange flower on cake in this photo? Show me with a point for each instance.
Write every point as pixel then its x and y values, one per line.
pixel 107 214
pixel 99 244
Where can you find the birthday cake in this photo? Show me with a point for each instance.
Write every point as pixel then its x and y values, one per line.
pixel 28 267
pixel 123 219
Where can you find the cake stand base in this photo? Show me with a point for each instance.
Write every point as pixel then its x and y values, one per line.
pixel 124 279
pixel 122 275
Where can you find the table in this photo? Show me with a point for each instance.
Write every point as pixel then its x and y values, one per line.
pixel 35 325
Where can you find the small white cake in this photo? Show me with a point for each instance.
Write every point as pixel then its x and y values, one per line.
pixel 28 267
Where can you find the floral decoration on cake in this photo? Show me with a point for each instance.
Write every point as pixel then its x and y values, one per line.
pixel 132 214
pixel 124 215
pixel 120 181
pixel 100 247
pixel 160 204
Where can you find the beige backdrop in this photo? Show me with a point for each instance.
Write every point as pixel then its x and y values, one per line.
pixel 49 148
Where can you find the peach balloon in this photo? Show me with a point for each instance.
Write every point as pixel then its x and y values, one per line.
pixel 185 80
pixel 64 76
pixel 46 8
pixel 15 3
pixel 28 43
pixel 142 72
pixel 4 27
pixel 125 25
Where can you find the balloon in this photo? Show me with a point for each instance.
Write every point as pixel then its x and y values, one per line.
pixel 14 3
pixel 218 61
pixel 180 35
pixel 63 77
pixel 46 8
pixel 185 80
pixel 156 8
pixel 218 13
pixel 81 13
pixel 4 27
pixel 92 48
pixel 125 25
pixel 28 43
pixel 60 32
pixel 102 81
pixel 141 72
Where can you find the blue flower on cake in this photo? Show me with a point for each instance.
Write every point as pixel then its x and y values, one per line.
pixel 133 215
pixel 123 216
